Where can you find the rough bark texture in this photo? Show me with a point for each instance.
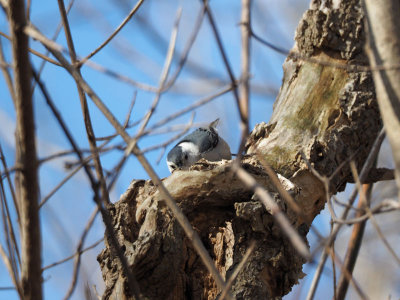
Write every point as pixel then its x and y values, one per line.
pixel 384 27
pixel 27 174
pixel 328 113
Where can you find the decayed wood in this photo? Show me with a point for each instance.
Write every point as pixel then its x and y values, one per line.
pixel 330 114
pixel 221 208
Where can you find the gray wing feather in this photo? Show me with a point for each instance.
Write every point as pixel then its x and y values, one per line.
pixel 206 141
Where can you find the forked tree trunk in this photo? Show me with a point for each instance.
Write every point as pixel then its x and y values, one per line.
pixel 328 113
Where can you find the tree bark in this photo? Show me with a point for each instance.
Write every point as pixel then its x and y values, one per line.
pixel 326 112
pixel 27 173
pixel 384 49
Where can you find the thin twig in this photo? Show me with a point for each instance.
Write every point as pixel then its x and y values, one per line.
pixel 285 194
pixel 6 73
pixel 125 124
pixel 343 204
pixel 91 64
pixel 382 237
pixel 224 58
pixel 175 128
pixel 8 228
pixel 56 33
pixel 10 184
pixel 333 256
pixel 9 231
pixel 58 117
pixel 8 265
pixel 237 270
pixel 62 154
pixel 354 245
pixel 347 67
pixel 352 280
pixel 191 107
pixel 62 182
pixel 277 183
pixel 96 292
pixel 73 255
pixel 103 199
pixel 163 79
pixel 371 216
pixel 172 139
pixel 196 68
pixel 364 172
pixel 6 216
pixel 36 52
pixel 186 51
pixel 120 77
pixel 67 133
pixel 6 288
pixel 78 254
pixel 294 237
pixel 245 84
pixel 126 20
pixel 79 165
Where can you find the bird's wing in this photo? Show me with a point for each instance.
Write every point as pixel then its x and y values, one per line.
pixel 206 142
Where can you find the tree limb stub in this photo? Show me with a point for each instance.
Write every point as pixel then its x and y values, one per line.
pixel 330 114
pixel 227 217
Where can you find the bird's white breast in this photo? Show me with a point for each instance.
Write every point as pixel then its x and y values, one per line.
pixel 192 150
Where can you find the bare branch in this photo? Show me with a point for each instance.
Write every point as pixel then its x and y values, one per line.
pixel 36 52
pixel 224 58
pixel 9 267
pixel 73 255
pixel 79 253
pixel 366 202
pixel 56 33
pixel 6 73
pixel 10 185
pixel 27 178
pixel 103 200
pixel 274 209
pixel 185 54
pixel 8 232
pixel 190 108
pixel 353 247
pixel 126 20
pixel 163 79
pixel 367 166
pixel 382 24
pixel 245 85
pixel 8 227
pixel 235 273
pixel 350 67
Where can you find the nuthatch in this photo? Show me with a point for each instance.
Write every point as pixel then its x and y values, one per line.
pixel 201 143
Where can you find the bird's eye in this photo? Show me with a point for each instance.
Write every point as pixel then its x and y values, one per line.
pixel 186 156
pixel 173 167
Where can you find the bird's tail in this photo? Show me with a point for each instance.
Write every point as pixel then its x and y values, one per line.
pixel 214 124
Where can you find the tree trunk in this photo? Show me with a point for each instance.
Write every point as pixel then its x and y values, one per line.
pixel 384 27
pixel 26 177
pixel 327 112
